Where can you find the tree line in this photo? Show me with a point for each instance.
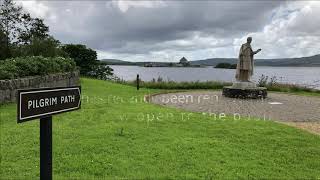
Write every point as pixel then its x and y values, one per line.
pixel 22 35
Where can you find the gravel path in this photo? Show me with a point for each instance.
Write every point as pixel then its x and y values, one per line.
pixel 293 109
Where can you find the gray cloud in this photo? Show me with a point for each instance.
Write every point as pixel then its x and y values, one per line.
pixel 124 28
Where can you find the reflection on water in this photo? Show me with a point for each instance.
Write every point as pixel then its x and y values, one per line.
pixel 307 76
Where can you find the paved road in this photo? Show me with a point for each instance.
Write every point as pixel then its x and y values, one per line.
pixel 278 106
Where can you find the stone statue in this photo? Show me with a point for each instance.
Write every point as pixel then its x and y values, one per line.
pixel 245 62
pixel 243 88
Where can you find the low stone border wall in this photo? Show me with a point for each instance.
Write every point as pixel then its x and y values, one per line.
pixel 8 88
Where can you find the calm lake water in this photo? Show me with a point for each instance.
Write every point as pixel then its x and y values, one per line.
pixel 306 76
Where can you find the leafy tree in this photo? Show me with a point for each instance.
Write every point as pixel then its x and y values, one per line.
pixel 35 29
pixel 24 33
pixel 3 43
pixel 46 47
pixel 18 27
pixel 84 57
pixel 10 19
pixel 39 29
pixel 102 71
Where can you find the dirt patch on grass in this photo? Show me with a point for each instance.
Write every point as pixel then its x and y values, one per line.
pixel 313 127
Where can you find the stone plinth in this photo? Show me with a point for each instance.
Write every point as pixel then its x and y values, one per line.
pixel 243 85
pixel 245 90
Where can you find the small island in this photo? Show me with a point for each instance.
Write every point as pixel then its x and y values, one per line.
pixel 226 66
pixel 182 63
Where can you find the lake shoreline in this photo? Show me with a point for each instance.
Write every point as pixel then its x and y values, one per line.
pixel 303 76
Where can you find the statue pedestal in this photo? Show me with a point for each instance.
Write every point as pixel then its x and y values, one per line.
pixel 245 90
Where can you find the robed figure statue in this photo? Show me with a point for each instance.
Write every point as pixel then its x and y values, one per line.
pixel 245 63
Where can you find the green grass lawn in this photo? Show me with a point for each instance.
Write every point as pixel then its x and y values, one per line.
pixel 116 135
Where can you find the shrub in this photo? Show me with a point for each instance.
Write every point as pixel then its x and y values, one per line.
pixel 33 66
pixel 103 72
pixel 273 85
pixel 263 80
pixel 8 70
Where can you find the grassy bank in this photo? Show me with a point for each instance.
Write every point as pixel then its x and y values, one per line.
pixel 116 135
pixel 178 85
pixel 169 85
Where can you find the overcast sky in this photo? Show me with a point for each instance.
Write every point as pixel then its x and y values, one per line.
pixel 168 30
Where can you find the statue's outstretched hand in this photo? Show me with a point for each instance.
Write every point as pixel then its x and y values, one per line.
pixel 257 51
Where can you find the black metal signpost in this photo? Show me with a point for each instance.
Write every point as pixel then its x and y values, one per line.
pixel 138 82
pixel 43 103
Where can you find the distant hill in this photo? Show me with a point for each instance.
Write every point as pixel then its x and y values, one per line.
pixel 214 61
pixel 121 62
pixel 116 62
pixel 312 61
pixel 303 61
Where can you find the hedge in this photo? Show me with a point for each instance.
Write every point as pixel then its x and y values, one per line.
pixel 36 65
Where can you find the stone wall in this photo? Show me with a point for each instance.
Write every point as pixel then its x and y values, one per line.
pixel 8 88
